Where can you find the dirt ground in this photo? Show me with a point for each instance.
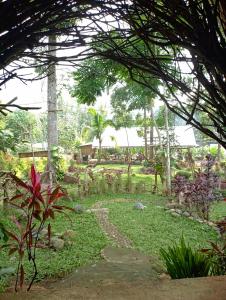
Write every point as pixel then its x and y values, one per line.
pixel 211 288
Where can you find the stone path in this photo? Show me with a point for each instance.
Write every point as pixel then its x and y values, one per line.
pixel 108 228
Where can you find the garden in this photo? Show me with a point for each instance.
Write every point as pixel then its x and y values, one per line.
pixel 67 229
pixel 112 145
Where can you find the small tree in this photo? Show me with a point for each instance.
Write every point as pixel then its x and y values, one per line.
pixel 98 125
pixel 38 206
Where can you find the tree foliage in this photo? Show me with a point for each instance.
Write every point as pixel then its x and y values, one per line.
pixel 191 35
pixel 24 127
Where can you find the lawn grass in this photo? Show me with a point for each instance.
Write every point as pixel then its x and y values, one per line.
pixel 149 230
pixel 218 211
pixel 154 228
pixel 86 247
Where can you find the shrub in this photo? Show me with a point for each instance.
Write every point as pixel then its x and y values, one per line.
pixel 217 256
pixel 223 192
pixel 201 191
pixel 217 252
pixel 183 262
pixel 184 173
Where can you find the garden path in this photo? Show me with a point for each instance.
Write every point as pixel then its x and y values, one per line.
pixel 108 228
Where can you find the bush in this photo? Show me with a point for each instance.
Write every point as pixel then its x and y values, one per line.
pixel 201 191
pixel 217 255
pixel 184 173
pixel 223 192
pixel 217 252
pixel 183 262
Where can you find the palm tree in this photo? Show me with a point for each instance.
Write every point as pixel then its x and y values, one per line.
pixel 98 125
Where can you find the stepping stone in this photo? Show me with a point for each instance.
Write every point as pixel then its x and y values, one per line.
pixel 123 255
pixel 130 257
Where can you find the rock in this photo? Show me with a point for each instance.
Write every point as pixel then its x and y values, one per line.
pixel 68 243
pixel 79 209
pixel 44 232
pixel 172 210
pixel 211 224
pixel 171 205
pixel 139 206
pixel 174 214
pixel 186 214
pixel 57 243
pixel 199 220
pixel 178 211
pixel 191 218
pixel 164 276
pixel 68 234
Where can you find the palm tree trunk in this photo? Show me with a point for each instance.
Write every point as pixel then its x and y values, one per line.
pixel 99 150
pixel 151 156
pixel 52 135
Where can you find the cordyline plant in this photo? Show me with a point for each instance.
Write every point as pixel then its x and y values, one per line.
pixel 38 206
pixel 201 191
pixel 217 251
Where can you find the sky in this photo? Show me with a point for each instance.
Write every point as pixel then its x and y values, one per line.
pixel 35 93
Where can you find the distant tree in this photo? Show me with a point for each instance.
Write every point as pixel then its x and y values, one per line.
pixel 97 75
pixel 189 33
pixel 191 36
pixel 72 119
pixel 98 125
pixel 24 127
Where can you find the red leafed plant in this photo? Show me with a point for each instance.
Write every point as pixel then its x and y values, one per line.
pixel 38 206
pixel 217 251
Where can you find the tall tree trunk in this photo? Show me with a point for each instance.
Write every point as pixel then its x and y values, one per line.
pixel 129 161
pixel 168 167
pixel 52 135
pixel 145 134
pixel 99 150
pixel 151 156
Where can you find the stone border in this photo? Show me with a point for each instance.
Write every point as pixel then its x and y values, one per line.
pixel 176 212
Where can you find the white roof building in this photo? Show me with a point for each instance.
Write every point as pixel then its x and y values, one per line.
pixel 129 137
